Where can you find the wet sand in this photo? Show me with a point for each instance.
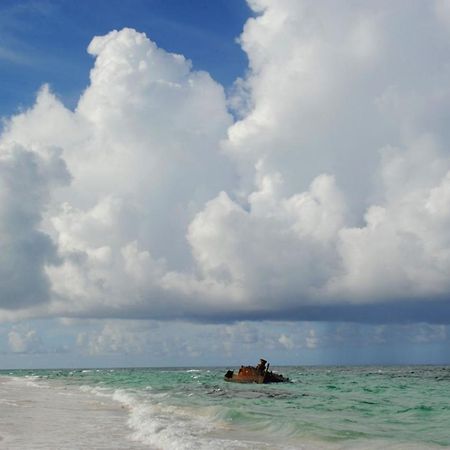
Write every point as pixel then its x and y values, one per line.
pixel 34 415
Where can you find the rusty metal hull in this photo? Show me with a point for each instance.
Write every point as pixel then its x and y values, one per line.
pixel 251 374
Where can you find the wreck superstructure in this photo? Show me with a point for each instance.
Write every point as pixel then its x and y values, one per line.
pixel 259 374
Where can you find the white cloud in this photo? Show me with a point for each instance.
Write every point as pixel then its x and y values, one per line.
pixel 330 191
pixel 142 150
pixel 312 341
pixel 116 337
pixel 24 340
pixel 275 246
pixel 286 341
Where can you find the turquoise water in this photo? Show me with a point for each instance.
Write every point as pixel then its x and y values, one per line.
pixel 334 407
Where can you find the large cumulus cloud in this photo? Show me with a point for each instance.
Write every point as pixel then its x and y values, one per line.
pixel 327 198
pixel 26 179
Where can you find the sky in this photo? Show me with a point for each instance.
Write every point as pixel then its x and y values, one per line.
pixel 211 182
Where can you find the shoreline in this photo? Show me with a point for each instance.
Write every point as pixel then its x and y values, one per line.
pixel 38 415
pixel 195 409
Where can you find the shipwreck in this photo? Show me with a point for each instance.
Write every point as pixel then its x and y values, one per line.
pixel 259 374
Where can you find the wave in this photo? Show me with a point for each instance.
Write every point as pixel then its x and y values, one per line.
pixel 31 381
pixel 161 425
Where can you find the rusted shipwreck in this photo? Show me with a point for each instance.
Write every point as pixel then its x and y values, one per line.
pixel 259 374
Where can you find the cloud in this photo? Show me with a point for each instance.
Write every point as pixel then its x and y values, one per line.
pixel 124 337
pixel 186 341
pixel 154 339
pixel 24 340
pixel 12 56
pixel 142 148
pixel 286 341
pixel 312 341
pixel 342 109
pixel 26 179
pixel 327 199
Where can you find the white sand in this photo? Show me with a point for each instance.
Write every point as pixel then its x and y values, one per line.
pixel 37 415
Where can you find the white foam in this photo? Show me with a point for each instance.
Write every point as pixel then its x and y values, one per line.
pixel 30 381
pixel 59 417
pixel 171 427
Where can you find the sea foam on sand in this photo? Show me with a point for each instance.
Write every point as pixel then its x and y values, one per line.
pixel 35 415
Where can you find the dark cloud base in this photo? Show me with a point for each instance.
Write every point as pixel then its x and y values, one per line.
pixel 436 311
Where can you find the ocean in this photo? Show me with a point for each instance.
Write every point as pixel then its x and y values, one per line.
pixel 194 408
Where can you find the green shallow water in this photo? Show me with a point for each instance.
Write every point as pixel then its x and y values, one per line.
pixel 395 407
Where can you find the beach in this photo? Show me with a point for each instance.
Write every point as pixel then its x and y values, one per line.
pixel 395 408
pixel 39 415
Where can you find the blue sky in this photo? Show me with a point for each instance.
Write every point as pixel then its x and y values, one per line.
pixel 45 41
pixel 207 182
